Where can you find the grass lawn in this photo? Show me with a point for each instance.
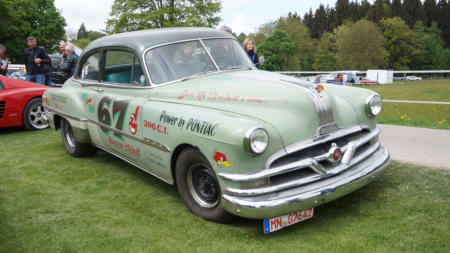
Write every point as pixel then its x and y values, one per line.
pixel 420 115
pixel 52 202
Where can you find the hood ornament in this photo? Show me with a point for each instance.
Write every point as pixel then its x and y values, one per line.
pixel 320 88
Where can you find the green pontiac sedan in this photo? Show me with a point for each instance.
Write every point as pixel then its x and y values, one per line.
pixel 188 106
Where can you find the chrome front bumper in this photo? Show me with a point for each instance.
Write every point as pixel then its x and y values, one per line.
pixel 310 195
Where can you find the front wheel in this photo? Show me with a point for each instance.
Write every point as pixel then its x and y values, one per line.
pixel 73 147
pixel 199 187
pixel 33 117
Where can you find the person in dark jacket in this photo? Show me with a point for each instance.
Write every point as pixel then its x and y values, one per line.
pixel 249 46
pixel 68 63
pixel 34 58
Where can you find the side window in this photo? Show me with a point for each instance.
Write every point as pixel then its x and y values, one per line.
pixel 90 69
pixel 124 68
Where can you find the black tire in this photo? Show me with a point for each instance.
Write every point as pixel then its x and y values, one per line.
pixel 33 117
pixel 73 147
pixel 199 187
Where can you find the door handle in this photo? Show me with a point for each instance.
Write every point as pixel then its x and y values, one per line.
pixel 99 90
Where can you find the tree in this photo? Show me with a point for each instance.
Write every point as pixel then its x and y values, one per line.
pixel 429 7
pixel 302 55
pixel 132 15
pixel 264 31
pixel 342 11
pixel 22 18
pixel 324 58
pixel 418 53
pixel 82 32
pixel 397 8
pixel 82 43
pixel 241 37
pixel 319 22
pixel 443 20
pixel 275 51
pixel 437 56
pixel 413 11
pixel 399 42
pixel 93 35
pixel 360 46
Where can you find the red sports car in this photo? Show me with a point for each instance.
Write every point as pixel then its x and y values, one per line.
pixel 21 104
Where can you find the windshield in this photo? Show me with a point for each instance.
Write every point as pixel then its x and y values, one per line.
pixel 228 54
pixel 187 59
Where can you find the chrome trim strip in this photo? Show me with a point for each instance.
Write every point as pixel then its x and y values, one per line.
pixel 294 166
pixel 304 197
pixel 321 101
pixel 291 184
pixel 134 164
pixel 56 111
pixel 143 140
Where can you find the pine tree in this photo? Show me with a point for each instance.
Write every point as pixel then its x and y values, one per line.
pixel 396 7
pixel 308 19
pixel 82 32
pixel 319 24
pixel 413 11
pixel 443 20
pixel 342 11
pixel 429 7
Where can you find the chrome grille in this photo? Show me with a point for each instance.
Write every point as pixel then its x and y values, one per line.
pixel 2 109
pixel 309 164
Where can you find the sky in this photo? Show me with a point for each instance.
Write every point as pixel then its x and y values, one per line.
pixel 241 15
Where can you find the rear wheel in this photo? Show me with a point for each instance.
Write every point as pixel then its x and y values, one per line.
pixel 199 187
pixel 73 147
pixel 33 116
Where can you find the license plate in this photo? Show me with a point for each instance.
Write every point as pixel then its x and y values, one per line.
pixel 277 223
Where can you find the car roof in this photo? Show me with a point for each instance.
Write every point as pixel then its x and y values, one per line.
pixel 139 41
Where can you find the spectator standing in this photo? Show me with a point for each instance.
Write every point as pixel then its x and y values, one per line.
pixel 62 47
pixel 249 46
pixel 344 79
pixel 3 63
pixel 34 57
pixel 68 63
pixel 74 55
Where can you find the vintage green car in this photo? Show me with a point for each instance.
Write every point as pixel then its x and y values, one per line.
pixel 188 106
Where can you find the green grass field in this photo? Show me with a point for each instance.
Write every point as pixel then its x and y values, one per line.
pixel 420 115
pixel 52 202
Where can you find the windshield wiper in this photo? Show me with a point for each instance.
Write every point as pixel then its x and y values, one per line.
pixel 237 67
pixel 195 75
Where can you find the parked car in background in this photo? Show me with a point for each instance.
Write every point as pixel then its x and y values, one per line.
pixel 188 106
pixel 21 104
pixel 413 78
pixel 15 67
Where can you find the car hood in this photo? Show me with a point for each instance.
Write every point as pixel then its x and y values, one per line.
pixel 290 105
pixel 11 83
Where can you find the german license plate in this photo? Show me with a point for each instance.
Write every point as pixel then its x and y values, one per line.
pixel 277 223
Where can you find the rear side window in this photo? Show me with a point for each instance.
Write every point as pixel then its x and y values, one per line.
pixel 90 68
pixel 123 67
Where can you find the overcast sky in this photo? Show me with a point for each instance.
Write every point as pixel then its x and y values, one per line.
pixel 241 15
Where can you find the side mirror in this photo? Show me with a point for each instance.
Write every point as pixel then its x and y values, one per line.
pixel 261 61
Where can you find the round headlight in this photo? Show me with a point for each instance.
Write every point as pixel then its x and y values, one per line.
pixel 374 105
pixel 256 140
